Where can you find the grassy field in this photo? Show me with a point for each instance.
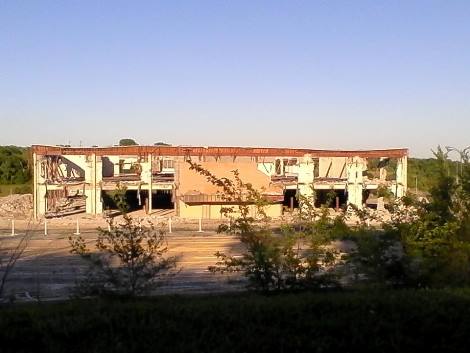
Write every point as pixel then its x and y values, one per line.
pixel 6 190
pixel 393 321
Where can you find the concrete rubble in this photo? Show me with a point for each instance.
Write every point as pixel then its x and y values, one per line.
pixel 16 205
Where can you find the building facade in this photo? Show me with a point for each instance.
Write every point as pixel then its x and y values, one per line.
pixel 70 180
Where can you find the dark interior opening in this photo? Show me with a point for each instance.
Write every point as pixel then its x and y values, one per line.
pixel 132 199
pixel 288 195
pixel 108 200
pixel 162 199
pixel 323 198
pixel 370 197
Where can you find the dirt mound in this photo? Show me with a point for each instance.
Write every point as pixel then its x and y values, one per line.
pixel 16 205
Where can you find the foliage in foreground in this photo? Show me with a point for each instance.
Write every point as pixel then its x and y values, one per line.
pixel 129 258
pixel 435 240
pixel 390 321
pixel 297 259
pixel 423 244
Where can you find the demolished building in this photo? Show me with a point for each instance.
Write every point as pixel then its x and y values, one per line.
pixel 77 179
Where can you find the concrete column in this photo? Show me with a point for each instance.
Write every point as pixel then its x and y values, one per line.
pixel 42 197
pixel 35 186
pixel 89 184
pixel 382 171
pixel 39 189
pixel 305 178
pixel 93 178
pixel 98 180
pixel 175 191
pixel 147 178
pixel 402 177
pixel 355 167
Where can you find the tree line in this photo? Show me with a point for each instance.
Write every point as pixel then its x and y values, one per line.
pixel 15 165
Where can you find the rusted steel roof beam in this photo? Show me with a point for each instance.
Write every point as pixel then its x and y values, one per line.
pixel 182 151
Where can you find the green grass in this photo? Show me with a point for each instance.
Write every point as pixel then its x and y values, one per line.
pixel 393 321
pixel 6 190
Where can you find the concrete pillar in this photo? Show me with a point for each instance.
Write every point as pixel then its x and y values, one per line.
pixel 402 177
pixel 98 181
pixel 146 177
pixel 175 191
pixel 355 167
pixel 35 187
pixel 39 189
pixel 382 171
pixel 42 200
pixel 93 178
pixel 89 184
pixel 305 178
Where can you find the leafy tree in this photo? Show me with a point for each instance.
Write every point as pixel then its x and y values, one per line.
pixel 434 236
pixel 271 261
pixel 424 172
pixel 378 258
pixel 14 165
pixel 130 258
pixel 262 260
pixel 127 142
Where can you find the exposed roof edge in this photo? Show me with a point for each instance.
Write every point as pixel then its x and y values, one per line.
pixel 216 151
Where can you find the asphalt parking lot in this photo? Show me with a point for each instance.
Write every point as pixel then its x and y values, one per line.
pixel 47 270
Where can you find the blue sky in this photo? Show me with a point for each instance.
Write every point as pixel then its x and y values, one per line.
pixel 318 74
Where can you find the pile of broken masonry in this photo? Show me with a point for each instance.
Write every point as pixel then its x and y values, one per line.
pixel 16 205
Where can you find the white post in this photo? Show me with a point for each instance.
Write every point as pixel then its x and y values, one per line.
pixel 200 225
pixel 169 224
pixel 13 227
pixel 78 229
pixel 45 227
pixel 109 227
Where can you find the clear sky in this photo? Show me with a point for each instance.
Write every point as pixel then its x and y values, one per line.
pixel 318 74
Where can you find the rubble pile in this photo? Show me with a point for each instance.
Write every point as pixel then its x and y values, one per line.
pixel 67 205
pixel 16 205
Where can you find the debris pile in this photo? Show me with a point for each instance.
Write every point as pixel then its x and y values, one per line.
pixel 16 205
pixel 67 205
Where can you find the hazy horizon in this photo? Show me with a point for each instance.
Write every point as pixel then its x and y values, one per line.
pixel 305 74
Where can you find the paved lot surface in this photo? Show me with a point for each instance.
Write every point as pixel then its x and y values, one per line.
pixel 48 270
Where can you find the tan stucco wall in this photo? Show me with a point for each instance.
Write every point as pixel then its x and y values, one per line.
pixel 213 211
pixel 189 180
